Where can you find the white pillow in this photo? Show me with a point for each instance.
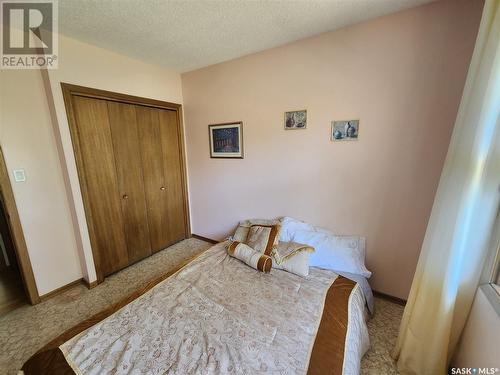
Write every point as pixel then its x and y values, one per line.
pixel 338 253
pixel 289 226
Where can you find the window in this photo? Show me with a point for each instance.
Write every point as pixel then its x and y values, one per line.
pixel 491 273
pixel 496 270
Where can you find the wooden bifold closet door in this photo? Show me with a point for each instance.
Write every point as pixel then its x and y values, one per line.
pixel 162 179
pixel 130 180
pixel 129 160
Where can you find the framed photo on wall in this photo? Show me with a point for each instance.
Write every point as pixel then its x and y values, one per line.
pixel 226 140
pixel 296 120
pixel 347 130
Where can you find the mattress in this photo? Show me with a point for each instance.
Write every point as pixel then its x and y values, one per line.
pixel 216 315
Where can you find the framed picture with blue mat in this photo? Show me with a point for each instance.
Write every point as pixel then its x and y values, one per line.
pixel 226 140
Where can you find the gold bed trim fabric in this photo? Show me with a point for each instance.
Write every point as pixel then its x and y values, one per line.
pixel 232 247
pixel 327 355
pixel 264 264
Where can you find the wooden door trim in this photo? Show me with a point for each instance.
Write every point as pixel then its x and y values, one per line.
pixel 70 90
pixel 75 140
pixel 182 157
pixel 114 96
pixel 16 231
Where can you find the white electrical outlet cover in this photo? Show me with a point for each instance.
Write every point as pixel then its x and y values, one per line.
pixel 19 175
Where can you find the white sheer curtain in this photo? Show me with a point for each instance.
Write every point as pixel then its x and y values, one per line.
pixel 463 213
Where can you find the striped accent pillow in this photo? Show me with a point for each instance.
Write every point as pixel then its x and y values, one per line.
pixel 241 231
pixel 250 257
pixel 263 238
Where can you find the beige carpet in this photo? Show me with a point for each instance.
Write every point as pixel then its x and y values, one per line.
pixel 26 329
pixel 383 329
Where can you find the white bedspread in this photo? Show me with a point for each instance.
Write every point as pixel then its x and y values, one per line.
pixel 218 316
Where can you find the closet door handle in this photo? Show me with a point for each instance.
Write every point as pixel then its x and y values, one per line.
pixel 163 188
pixel 125 196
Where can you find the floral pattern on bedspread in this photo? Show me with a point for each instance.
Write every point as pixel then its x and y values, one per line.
pixel 217 316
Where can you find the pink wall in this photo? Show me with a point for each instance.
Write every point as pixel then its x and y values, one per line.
pixel 402 75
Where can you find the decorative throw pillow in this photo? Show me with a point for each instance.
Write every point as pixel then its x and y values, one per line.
pixel 250 257
pixel 241 232
pixel 263 238
pixel 292 257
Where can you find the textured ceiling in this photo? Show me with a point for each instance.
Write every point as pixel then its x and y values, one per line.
pixel 186 35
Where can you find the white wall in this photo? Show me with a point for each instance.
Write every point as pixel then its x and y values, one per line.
pixel 35 136
pixel 27 139
pixel 479 344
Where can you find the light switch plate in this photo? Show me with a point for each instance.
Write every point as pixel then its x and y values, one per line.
pixel 19 175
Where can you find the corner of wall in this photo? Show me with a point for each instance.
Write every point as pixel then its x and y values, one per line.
pixel 86 262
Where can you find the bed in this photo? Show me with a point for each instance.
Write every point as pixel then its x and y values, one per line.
pixel 216 315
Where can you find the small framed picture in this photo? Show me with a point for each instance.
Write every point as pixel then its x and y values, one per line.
pixel 296 120
pixel 226 140
pixel 347 130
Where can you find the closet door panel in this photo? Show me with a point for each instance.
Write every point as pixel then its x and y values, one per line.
pixel 102 202
pixel 154 179
pixel 123 123
pixel 173 192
